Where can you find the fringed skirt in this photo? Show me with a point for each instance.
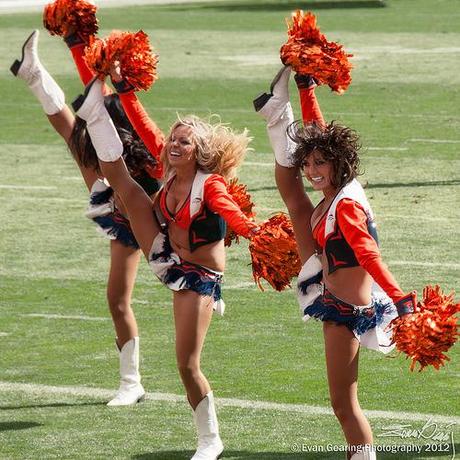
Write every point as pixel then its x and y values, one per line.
pixel 178 275
pixel 368 323
pixel 109 220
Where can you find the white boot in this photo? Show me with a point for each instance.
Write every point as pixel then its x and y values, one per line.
pixel 367 453
pixel 131 391
pixel 209 443
pixel 277 111
pixel 40 82
pixel 104 136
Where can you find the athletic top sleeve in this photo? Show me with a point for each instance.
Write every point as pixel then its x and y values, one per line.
pixel 218 200
pixel 146 128
pixel 83 70
pixel 352 220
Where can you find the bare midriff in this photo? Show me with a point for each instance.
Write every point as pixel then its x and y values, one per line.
pixel 211 255
pixel 352 285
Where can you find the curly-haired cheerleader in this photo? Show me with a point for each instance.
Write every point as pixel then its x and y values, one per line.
pixel 105 209
pixel 342 283
pixel 182 237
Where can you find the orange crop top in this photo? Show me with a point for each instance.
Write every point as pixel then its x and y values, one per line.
pixel 209 223
pixel 354 242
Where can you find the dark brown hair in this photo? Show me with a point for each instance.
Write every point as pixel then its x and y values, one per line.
pixel 338 144
pixel 135 153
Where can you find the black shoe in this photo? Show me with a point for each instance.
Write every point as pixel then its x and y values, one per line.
pixel 260 101
pixel 80 99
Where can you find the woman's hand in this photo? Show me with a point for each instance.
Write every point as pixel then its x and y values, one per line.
pixel 115 72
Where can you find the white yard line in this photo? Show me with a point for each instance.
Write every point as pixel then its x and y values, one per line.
pixel 11 6
pixel 242 285
pixel 255 163
pixel 72 317
pixel 435 141
pixel 34 389
pixel 452 219
pixel 424 264
pixel 27 187
pixel 390 149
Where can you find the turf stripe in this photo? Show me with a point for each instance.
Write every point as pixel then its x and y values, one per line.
pixel 436 141
pixel 424 264
pixel 72 317
pixel 32 389
pixel 27 187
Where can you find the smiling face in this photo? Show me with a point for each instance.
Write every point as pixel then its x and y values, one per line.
pixel 180 147
pixel 319 172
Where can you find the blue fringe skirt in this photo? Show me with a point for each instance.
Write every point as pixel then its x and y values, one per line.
pixel 178 275
pixel 368 323
pixel 109 220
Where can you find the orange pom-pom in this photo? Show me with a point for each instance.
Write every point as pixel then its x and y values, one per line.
pixel 308 52
pixel 242 198
pixel 134 53
pixel 425 335
pixel 274 253
pixel 65 16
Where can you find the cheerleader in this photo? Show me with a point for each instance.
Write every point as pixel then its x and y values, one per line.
pixel 182 235
pixel 343 281
pixel 105 208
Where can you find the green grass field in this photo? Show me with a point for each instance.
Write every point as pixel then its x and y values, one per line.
pixel 55 333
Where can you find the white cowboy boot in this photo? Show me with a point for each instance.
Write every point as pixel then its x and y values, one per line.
pixel 367 453
pixel 131 391
pixel 277 111
pixel 40 82
pixel 209 443
pixel 104 136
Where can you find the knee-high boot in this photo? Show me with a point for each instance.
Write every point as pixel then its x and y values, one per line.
pixel 104 136
pixel 209 443
pixel 131 391
pixel 40 82
pixel 276 109
pixel 366 452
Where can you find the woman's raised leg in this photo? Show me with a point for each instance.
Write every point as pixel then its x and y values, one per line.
pixel 276 109
pixel 109 148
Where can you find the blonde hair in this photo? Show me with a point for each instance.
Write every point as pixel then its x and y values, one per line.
pixel 219 149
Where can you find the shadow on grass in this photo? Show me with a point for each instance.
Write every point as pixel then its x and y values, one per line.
pixel 293 5
pixel 236 454
pixel 368 186
pixel 33 406
pixel 14 426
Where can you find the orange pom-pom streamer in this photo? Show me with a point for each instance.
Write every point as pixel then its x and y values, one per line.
pixel 243 199
pixel 425 335
pixel 308 52
pixel 65 16
pixel 274 253
pixel 132 50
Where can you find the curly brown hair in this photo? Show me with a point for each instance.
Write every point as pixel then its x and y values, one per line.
pixel 338 144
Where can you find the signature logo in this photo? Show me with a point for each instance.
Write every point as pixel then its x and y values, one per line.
pixel 431 432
